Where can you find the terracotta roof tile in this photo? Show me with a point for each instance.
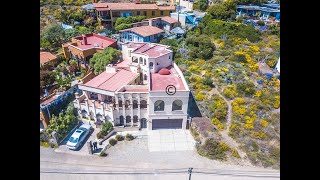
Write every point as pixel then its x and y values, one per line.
pixel 169 20
pixel 130 6
pixel 46 57
pixel 145 31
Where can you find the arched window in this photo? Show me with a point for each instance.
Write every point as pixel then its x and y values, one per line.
pixel 143 104
pixel 135 104
pixel 151 65
pixel 140 60
pixel 127 104
pixel 134 59
pixel 159 105
pixel 120 103
pixel 177 105
pixel 145 77
pixel 144 61
pixel 135 119
pixel 121 120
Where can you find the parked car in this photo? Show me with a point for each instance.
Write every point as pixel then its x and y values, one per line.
pixel 77 138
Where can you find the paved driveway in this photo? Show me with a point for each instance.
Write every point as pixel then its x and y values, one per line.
pixel 170 140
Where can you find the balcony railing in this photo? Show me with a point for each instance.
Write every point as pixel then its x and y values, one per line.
pixel 105 17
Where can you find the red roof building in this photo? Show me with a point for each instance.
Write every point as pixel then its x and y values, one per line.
pixel 46 57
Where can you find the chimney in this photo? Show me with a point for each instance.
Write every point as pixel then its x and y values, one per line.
pixel 137 1
pixel 84 39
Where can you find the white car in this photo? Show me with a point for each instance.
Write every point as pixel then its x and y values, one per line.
pixel 78 136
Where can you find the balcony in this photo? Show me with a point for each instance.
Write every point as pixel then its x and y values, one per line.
pixel 105 18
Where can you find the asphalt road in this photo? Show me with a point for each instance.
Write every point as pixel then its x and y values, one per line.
pixel 72 167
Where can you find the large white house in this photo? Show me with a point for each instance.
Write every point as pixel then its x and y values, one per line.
pixel 133 91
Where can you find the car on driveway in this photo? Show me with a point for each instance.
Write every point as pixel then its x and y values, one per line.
pixel 77 138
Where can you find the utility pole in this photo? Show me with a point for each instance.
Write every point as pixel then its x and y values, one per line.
pixel 190 169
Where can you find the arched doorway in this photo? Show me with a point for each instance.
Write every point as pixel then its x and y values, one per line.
pixel 128 120
pixel 135 120
pixel 121 120
pixel 143 123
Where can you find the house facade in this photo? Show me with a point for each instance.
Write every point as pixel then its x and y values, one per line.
pixel 107 13
pixel 141 34
pixel 83 47
pixel 133 92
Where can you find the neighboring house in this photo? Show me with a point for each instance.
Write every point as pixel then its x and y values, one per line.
pixel 148 30
pixel 141 34
pixel 107 13
pixel 47 58
pixel 83 47
pixel 265 11
pixel 187 19
pixel 133 92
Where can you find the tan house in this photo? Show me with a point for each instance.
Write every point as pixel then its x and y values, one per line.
pixel 83 47
pixel 47 58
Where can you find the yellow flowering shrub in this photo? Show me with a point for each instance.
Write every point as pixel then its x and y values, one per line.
pixel 248 126
pixel 276 104
pixel 220 126
pixel 218 70
pixel 258 135
pixel 200 96
pixel 252 108
pixel 230 91
pixel 196 79
pixel 195 69
pixel 239 100
pixel 223 146
pixel 235 153
pixel 251 63
pixel 201 62
pixel 257 94
pixel 221 45
pixel 255 49
pixel 264 123
pixel 225 70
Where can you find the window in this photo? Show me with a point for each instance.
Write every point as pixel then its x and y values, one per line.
pixel 143 104
pixel 144 61
pixel 169 57
pixel 151 65
pixel 140 60
pixel 134 59
pixel 157 63
pixel 135 104
pixel 128 119
pixel 120 103
pixel 135 119
pixel 161 13
pixel 145 13
pixel 138 13
pixel 116 14
pixel 177 105
pixel 153 13
pixel 145 77
pixel 159 105
pixel 127 104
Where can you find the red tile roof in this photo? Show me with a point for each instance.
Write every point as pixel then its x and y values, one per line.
pixel 93 39
pixel 112 81
pixel 169 20
pixel 149 49
pixel 159 82
pixel 144 31
pixel 46 57
pixel 130 6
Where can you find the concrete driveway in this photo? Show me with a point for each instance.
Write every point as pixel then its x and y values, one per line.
pixel 170 140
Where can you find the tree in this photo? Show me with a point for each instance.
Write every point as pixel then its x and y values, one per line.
pixel 260 23
pixel 200 46
pixel 70 33
pixel 63 82
pixel 224 11
pixel 99 61
pixel 126 22
pixel 46 78
pixel 123 26
pixel 54 34
pixel 200 5
pixel 73 67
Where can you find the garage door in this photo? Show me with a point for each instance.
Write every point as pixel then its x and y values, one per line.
pixel 166 124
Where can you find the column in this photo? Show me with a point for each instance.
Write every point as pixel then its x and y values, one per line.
pixel 103 111
pixel 87 105
pixel 117 107
pixel 78 103
pixel 123 109
pixel 131 109
pixel 139 112
pixel 94 110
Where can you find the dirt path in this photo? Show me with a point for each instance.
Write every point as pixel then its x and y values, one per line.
pixel 225 137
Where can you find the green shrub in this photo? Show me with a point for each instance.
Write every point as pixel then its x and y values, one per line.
pixel 129 137
pixel 119 137
pixel 100 135
pixel 103 154
pixel 106 128
pixel 261 23
pixel 113 142
pixel 44 144
pixel 235 153
pixel 213 149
